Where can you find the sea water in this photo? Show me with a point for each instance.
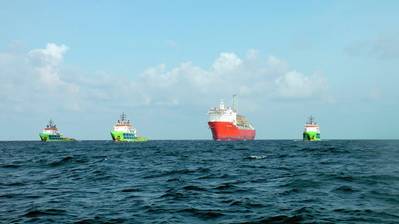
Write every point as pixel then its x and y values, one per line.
pixel 200 182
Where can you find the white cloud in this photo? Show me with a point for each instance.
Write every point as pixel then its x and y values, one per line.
pixel 52 55
pixel 229 74
pixel 46 82
pixel 33 80
pixel 226 62
pixel 296 85
pixel 46 63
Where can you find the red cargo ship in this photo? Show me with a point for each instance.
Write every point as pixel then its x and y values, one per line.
pixel 227 125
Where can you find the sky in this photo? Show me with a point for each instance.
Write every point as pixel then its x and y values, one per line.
pixel 165 63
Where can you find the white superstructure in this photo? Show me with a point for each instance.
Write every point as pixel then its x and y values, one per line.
pixel 51 129
pixel 124 125
pixel 222 114
pixel 312 126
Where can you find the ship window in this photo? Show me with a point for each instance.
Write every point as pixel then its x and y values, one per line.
pixel 54 137
pixel 127 135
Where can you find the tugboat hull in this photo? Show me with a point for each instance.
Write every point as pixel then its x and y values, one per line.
pixel 54 138
pixel 119 136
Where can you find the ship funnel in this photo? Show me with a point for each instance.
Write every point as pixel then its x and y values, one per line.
pixel 234 103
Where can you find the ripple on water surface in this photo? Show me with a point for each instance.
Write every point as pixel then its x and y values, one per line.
pixel 200 182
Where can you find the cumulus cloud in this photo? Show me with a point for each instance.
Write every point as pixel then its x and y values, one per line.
pixel 32 80
pixel 251 76
pixel 46 63
pixel 52 55
pixel 294 84
pixel 227 62
pixel 229 74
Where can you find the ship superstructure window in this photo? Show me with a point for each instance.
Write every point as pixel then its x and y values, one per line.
pixel 128 136
pixel 54 137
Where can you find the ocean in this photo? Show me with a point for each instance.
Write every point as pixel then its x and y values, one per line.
pixel 263 181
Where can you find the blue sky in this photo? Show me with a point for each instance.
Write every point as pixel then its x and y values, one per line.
pixel 164 63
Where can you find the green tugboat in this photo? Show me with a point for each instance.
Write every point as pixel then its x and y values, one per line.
pixel 124 131
pixel 312 130
pixel 51 134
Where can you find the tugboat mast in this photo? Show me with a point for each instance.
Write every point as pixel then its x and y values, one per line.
pixel 51 124
pixel 311 120
pixel 123 117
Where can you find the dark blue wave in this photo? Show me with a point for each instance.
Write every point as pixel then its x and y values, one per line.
pixel 200 182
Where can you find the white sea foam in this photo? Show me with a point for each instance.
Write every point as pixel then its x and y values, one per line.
pixel 257 157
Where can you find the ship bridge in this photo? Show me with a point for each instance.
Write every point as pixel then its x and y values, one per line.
pixel 222 113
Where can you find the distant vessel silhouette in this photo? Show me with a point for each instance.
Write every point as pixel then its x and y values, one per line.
pixel 311 131
pixel 51 134
pixel 227 125
pixel 123 131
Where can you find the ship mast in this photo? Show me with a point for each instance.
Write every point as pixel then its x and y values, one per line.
pixel 123 117
pixel 51 124
pixel 311 120
pixel 123 120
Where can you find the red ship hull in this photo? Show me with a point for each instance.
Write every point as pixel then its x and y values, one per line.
pixel 227 131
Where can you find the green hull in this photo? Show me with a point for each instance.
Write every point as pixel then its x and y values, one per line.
pixel 120 136
pixel 311 136
pixel 54 138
